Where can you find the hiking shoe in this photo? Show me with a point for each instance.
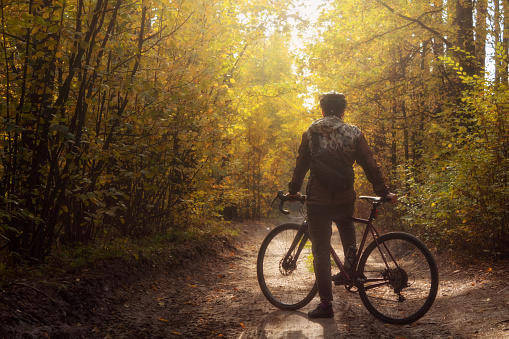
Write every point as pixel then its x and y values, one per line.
pixel 321 312
pixel 339 279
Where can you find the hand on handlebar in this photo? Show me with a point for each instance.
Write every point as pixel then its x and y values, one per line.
pixel 392 198
pixel 288 198
pixel 293 197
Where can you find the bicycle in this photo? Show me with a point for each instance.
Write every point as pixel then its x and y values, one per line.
pixel 395 275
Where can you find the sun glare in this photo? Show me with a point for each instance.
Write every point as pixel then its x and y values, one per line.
pixel 309 9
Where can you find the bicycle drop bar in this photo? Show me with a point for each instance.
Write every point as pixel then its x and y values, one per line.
pixel 284 198
pixel 376 201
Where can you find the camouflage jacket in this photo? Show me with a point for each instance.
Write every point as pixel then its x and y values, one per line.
pixel 346 141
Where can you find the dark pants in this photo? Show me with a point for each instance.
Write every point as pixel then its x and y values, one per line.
pixel 320 230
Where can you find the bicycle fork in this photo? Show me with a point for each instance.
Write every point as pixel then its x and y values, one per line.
pixel 289 262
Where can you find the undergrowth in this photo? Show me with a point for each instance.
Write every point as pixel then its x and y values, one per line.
pixel 66 258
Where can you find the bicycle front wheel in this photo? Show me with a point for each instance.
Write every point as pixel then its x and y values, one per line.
pixel 399 278
pixel 287 287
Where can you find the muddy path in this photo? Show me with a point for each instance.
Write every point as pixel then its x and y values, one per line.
pixel 214 294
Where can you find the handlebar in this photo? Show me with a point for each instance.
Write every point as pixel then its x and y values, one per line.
pixel 284 198
pixel 375 200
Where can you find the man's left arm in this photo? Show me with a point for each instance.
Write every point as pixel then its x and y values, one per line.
pixel 365 159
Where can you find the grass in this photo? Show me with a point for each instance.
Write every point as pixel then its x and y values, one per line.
pixel 66 258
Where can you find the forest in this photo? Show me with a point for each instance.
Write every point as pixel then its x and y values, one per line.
pixel 126 120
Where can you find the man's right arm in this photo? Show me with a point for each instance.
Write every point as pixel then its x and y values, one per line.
pixel 301 166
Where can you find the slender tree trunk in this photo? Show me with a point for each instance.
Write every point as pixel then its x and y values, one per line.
pixel 497 34
pixel 437 44
pixel 481 7
pixel 504 63
pixel 394 144
pixel 38 102
pixel 465 34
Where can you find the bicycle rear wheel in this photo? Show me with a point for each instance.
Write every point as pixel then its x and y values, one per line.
pixel 400 278
pixel 288 288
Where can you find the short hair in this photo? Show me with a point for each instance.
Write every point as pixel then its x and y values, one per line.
pixel 333 103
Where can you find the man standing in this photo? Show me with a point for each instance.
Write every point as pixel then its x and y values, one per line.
pixel 324 204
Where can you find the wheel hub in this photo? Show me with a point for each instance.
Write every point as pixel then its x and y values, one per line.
pixel 397 278
pixel 287 265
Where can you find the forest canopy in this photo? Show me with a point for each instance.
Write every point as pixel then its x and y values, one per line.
pixel 128 118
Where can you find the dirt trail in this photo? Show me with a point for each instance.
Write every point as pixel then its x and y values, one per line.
pixel 219 297
pixel 472 302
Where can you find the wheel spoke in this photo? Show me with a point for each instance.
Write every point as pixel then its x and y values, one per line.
pixel 401 278
pixel 286 284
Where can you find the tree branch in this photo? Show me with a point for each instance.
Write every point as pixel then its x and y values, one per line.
pixel 419 22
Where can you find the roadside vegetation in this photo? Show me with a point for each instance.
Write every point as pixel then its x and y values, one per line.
pixel 127 125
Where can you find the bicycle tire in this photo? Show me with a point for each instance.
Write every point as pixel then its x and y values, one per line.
pixel 415 277
pixel 285 289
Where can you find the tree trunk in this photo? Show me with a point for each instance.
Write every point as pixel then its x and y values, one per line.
pixel 497 34
pixel 438 44
pixel 504 65
pixel 481 7
pixel 465 35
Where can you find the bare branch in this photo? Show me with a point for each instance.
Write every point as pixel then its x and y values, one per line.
pixel 419 22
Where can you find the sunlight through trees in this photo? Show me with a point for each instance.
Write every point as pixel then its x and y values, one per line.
pixel 133 118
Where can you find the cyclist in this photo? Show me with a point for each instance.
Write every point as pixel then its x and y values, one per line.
pixel 323 204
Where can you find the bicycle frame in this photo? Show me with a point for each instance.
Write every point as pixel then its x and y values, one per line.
pixel 302 237
pixel 387 266
pixel 370 228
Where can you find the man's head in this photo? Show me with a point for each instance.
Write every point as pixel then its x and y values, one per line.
pixel 333 103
